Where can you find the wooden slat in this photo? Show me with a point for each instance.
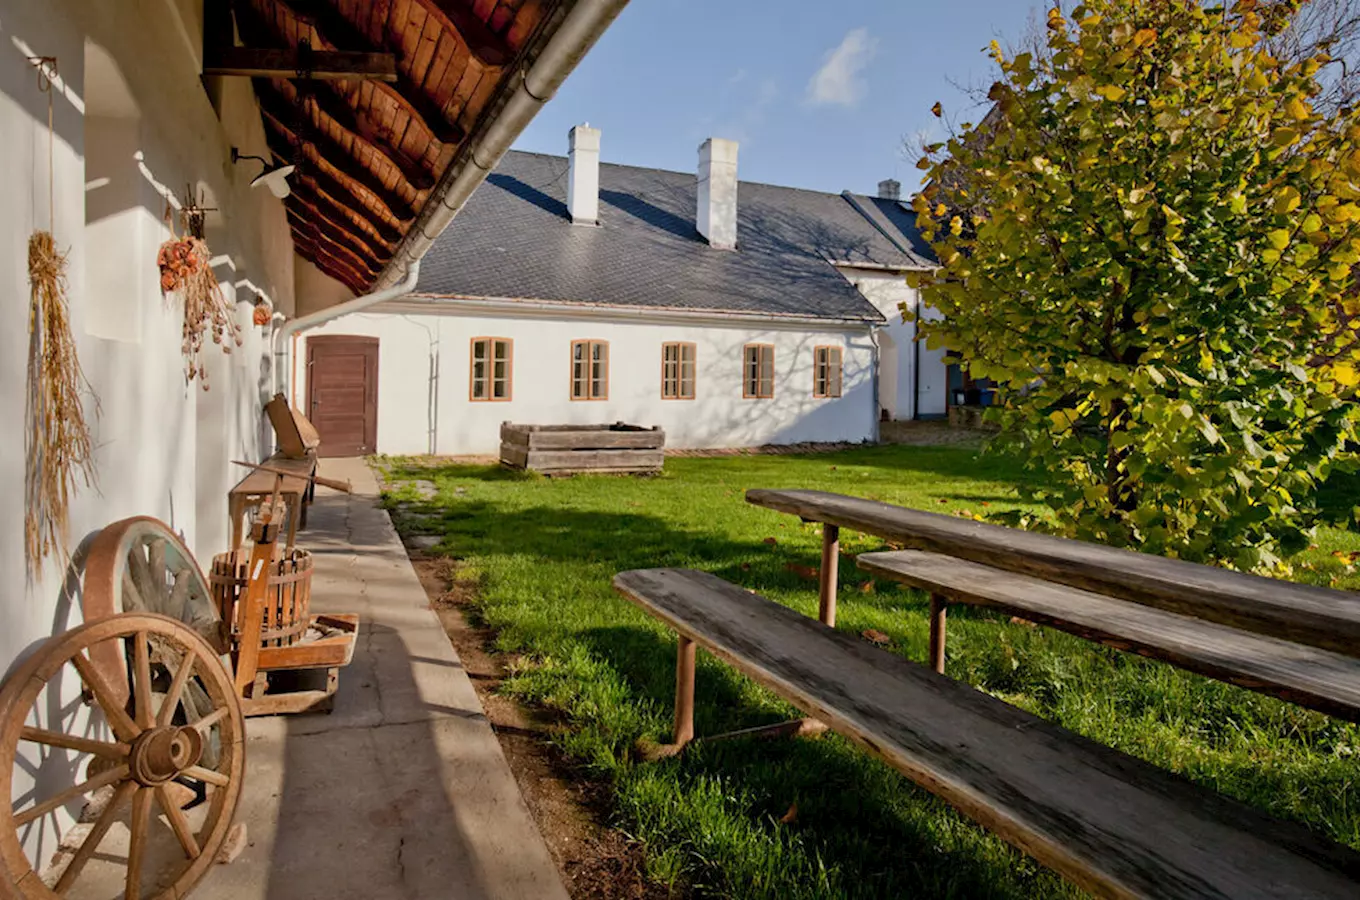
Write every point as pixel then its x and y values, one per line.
pixel 597 439
pixel 1112 824
pixel 1329 682
pixel 319 64
pixel 336 268
pixel 484 43
pixel 334 246
pixel 1302 613
pixel 590 460
pixel 362 221
pixel 347 239
pixel 373 245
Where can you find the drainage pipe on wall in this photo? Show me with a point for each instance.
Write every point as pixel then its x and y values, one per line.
pixel 578 32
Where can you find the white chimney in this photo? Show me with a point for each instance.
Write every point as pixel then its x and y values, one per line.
pixel 583 175
pixel 717 219
pixel 890 189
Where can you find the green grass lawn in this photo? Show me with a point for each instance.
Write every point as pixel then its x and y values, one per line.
pixel 544 551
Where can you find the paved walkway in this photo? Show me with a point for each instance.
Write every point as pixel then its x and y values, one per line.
pixel 402 791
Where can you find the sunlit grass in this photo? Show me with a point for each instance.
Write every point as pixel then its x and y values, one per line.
pixel 544 551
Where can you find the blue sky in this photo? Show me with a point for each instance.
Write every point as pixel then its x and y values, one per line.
pixel 820 94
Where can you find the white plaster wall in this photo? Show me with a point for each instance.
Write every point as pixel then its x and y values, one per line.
pixel 161 446
pixel 886 290
pixel 412 405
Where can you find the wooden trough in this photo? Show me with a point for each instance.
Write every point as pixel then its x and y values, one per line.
pixel 570 449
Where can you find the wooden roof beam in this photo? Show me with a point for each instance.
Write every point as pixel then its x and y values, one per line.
pixel 335 155
pixel 328 264
pixel 344 241
pixel 490 48
pixel 338 110
pixel 322 65
pixel 338 224
pixel 334 249
pixel 346 206
pixel 337 31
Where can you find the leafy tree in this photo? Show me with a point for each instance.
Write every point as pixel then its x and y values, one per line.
pixel 1148 244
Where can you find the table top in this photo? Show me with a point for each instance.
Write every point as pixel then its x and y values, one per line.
pixel 1305 614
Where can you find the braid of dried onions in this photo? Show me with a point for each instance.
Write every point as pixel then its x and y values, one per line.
pixel 185 270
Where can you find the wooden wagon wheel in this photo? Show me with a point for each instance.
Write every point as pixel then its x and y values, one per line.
pixel 140 565
pixel 161 744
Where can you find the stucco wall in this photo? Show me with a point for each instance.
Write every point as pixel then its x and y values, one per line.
pixel 162 446
pixel 886 290
pixel 414 347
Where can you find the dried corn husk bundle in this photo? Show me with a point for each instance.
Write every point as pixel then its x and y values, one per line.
pixel 185 270
pixel 59 447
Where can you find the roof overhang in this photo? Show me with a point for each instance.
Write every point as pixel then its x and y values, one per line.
pixel 395 113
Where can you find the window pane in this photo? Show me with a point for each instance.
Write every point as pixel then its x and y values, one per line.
pixel 479 349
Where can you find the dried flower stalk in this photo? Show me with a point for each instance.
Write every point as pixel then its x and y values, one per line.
pixel 59 447
pixel 185 270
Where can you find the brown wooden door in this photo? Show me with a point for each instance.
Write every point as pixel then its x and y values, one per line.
pixel 342 393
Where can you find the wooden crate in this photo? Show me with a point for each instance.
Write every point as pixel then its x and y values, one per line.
pixel 571 449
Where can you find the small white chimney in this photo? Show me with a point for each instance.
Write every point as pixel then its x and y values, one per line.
pixel 583 175
pixel 890 189
pixel 717 219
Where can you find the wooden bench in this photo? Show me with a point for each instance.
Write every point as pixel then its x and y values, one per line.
pixel 254 490
pixel 1114 825
pixel 1299 673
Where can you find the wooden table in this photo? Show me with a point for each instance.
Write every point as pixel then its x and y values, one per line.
pixel 257 487
pixel 1300 613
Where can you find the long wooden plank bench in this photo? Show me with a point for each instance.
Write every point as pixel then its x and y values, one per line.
pixel 1296 612
pixel 1113 825
pixel 255 489
pixel 1309 676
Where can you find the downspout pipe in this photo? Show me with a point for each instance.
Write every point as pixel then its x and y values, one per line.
pixel 284 332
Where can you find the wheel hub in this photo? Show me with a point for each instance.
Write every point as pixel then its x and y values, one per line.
pixel 160 754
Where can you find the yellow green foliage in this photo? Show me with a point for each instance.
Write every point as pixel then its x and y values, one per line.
pixel 1149 245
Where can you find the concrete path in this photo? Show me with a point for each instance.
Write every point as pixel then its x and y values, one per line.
pixel 402 791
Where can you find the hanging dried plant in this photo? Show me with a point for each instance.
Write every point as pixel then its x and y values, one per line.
pixel 58 441
pixel 185 271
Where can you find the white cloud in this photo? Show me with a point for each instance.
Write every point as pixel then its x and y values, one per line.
pixel 838 82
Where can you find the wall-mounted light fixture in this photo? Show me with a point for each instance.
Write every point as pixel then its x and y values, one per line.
pixel 274 177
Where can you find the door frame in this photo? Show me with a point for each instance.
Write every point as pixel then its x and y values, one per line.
pixel 356 341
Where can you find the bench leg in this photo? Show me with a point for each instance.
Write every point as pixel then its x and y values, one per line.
pixel 684 692
pixel 831 563
pixel 937 626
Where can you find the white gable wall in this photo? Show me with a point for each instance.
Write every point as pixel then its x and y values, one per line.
pixel 418 413
pixel 887 290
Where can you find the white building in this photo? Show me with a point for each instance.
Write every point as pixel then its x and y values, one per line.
pixel 730 313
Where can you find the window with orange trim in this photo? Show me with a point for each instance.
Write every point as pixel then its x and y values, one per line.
pixel 490 378
pixel 677 370
pixel 590 370
pixel 826 376
pixel 758 371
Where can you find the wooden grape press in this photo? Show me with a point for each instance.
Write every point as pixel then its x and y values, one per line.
pixel 173 663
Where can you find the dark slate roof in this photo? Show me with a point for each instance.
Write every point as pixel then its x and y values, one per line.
pixel 513 240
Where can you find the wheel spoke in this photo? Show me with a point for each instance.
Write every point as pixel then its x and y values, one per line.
pixel 207 775
pixel 141 576
pixel 171 701
pixel 142 678
pixel 132 596
pixel 91 842
pixel 210 720
pixel 178 604
pixel 118 719
pixel 71 742
pixel 141 815
pixel 156 567
pixel 178 823
pixel 116 774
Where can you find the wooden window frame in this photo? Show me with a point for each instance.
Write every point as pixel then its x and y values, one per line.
pixel 491 370
pixel 745 379
pixel 680 393
pixel 589 359
pixel 826 393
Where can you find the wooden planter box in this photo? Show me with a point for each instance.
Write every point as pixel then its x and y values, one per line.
pixel 567 449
